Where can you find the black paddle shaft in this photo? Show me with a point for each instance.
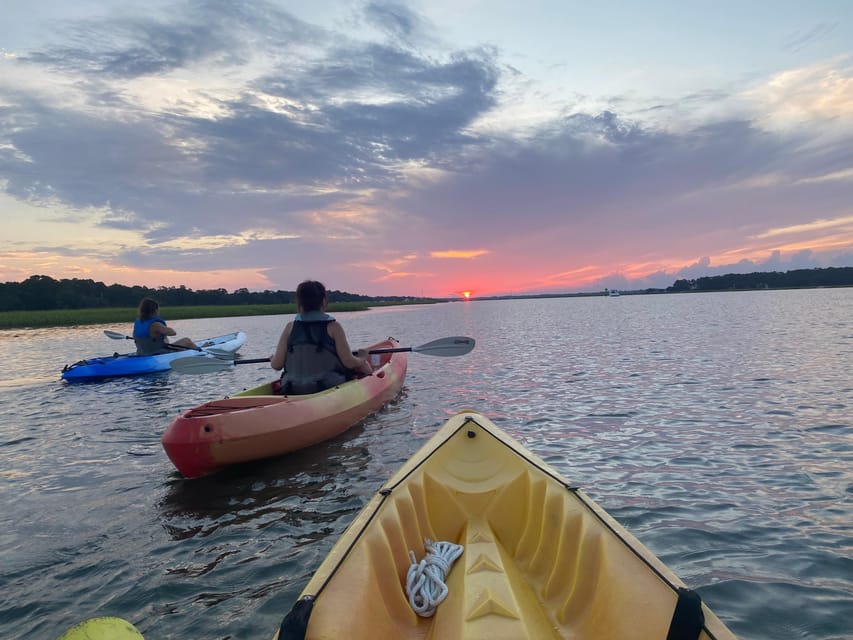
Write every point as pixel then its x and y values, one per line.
pixel 371 352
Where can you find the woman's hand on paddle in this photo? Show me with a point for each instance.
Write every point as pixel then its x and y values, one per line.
pixel 365 367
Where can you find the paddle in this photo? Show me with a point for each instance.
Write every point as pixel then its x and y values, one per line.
pixel 447 347
pixel 219 353
pixel 115 335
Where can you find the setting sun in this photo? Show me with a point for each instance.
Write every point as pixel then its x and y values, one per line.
pixel 466 294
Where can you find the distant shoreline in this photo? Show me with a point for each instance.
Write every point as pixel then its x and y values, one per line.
pixel 125 315
pixel 10 320
pixel 645 292
pixel 41 301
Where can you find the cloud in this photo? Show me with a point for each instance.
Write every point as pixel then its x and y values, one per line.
pixel 600 176
pixel 354 114
pixel 844 174
pixel 210 31
pixel 459 253
pixel 225 136
pixel 398 22
pixel 804 37
pixel 816 225
pixel 816 95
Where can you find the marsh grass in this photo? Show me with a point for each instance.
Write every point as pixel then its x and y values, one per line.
pixel 73 317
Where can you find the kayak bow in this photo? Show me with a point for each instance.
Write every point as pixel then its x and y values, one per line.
pixel 541 560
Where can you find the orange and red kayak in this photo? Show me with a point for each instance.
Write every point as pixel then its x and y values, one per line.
pixel 259 423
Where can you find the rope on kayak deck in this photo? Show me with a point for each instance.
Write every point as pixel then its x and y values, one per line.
pixel 425 581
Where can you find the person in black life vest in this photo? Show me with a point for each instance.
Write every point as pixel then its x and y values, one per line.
pixel 313 350
pixel 150 332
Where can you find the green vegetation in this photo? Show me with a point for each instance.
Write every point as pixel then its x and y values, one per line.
pixel 798 278
pixel 44 293
pixel 41 301
pixel 125 315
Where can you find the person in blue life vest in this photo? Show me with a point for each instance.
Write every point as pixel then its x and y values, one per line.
pixel 313 350
pixel 150 332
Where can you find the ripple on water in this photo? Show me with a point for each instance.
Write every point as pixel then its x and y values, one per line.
pixel 704 423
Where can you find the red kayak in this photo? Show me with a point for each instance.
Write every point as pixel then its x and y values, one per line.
pixel 259 423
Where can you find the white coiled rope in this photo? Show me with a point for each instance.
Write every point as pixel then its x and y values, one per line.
pixel 425 580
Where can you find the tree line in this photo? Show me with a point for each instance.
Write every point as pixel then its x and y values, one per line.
pixel 798 278
pixel 39 293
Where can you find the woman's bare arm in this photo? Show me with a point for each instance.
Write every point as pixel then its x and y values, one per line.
pixel 345 352
pixel 160 329
pixel 280 355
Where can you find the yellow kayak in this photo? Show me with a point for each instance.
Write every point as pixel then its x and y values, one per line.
pixel 524 554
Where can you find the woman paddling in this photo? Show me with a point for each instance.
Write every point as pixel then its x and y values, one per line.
pixel 150 332
pixel 313 348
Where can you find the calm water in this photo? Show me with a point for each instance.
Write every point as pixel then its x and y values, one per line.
pixel 718 428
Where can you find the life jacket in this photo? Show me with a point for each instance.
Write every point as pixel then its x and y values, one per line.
pixel 145 344
pixel 312 363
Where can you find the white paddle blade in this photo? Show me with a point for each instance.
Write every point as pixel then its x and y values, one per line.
pixel 220 353
pixel 208 365
pixel 200 365
pixel 453 346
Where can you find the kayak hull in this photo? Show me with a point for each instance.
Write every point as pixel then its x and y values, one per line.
pixel 259 423
pixel 131 364
pixel 541 560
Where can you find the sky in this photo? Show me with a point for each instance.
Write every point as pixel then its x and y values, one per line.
pixel 424 148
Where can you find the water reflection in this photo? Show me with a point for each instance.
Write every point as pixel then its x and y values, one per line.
pixel 716 428
pixel 286 488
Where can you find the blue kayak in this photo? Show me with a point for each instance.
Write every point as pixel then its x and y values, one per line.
pixel 131 364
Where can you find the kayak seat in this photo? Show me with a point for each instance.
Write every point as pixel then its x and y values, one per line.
pixel 328 380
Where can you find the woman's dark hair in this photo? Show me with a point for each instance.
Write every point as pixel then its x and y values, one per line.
pixel 148 308
pixel 310 295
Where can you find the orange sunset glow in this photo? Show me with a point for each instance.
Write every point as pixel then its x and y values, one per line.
pixel 236 174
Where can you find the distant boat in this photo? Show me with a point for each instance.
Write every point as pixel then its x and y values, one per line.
pixel 613 293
